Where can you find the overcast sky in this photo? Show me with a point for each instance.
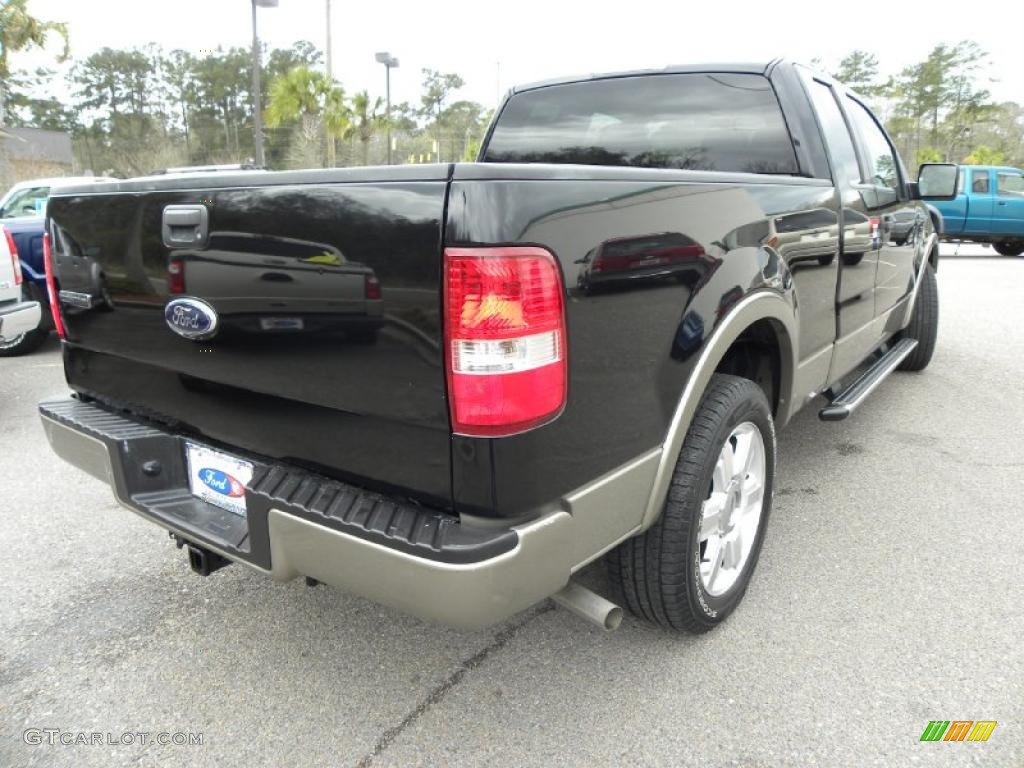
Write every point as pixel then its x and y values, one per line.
pixel 495 45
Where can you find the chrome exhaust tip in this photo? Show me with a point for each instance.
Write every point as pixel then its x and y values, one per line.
pixel 589 605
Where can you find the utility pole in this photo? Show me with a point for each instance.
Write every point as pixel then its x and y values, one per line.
pixel 330 67
pixel 387 109
pixel 388 61
pixel 257 99
pixel 328 138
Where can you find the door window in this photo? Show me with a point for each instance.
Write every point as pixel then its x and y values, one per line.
pixel 837 134
pixel 979 182
pixel 1010 184
pixel 882 172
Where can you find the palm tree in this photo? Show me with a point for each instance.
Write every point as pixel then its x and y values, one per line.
pixel 367 120
pixel 19 30
pixel 336 120
pixel 298 94
pixel 311 98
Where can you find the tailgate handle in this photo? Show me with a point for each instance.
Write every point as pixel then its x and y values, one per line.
pixel 185 226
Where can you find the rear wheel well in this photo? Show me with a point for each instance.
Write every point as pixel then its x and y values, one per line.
pixel 756 355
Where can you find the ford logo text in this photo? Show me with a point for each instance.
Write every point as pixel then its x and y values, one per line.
pixel 221 482
pixel 191 318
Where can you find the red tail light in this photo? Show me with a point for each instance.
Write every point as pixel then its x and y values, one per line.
pixel 175 276
pixel 505 350
pixel 51 287
pixel 372 287
pixel 15 261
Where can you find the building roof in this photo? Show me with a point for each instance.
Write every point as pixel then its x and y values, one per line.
pixel 37 144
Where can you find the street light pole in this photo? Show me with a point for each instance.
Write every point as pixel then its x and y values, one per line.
pixel 257 99
pixel 330 67
pixel 387 107
pixel 388 61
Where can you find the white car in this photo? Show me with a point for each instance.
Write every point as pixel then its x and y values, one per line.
pixel 17 317
pixel 28 198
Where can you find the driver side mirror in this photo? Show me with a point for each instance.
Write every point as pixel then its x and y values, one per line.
pixel 937 181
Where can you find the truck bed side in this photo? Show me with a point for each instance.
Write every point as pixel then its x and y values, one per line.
pixel 635 335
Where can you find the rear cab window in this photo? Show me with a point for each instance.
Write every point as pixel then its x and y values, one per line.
pixel 708 122
pixel 26 202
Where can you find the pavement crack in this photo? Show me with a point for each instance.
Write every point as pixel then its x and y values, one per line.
pixel 438 693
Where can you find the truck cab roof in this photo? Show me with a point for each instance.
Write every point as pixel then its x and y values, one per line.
pixel 755 68
pixel 991 167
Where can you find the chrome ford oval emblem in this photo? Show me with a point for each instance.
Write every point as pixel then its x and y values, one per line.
pixel 191 318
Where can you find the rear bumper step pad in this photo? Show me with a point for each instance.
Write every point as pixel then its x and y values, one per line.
pixel 423 562
pixel 148 473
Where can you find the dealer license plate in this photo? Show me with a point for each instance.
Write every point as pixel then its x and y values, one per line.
pixel 218 477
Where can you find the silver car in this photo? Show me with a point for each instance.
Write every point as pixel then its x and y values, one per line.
pixel 17 317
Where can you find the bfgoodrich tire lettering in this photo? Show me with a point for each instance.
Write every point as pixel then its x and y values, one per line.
pixel 658 574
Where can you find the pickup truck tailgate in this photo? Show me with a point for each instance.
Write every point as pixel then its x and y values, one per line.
pixel 326 290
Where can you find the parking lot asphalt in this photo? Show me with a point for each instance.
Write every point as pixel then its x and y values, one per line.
pixel 890 592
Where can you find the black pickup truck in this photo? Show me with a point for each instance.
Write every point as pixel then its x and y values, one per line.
pixel 449 388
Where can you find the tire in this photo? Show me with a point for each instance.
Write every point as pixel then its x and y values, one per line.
pixel 23 343
pixel 924 324
pixel 29 341
pixel 1009 248
pixel 106 304
pixel 660 574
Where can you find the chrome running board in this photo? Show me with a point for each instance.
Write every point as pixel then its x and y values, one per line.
pixel 847 401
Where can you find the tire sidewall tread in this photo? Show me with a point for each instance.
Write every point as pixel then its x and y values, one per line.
pixel 658 572
pixel 924 323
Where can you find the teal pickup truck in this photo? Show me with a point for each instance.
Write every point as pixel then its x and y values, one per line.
pixel 988 208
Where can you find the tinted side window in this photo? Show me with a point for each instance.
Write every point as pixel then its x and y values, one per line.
pixel 837 134
pixel 881 160
pixel 979 181
pixel 1010 184
pixel 719 122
